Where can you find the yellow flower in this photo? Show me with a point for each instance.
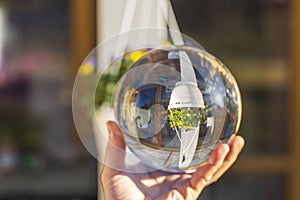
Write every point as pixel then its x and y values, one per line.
pixel 166 43
pixel 86 69
pixel 136 55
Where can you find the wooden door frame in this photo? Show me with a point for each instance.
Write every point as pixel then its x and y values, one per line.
pixel 294 107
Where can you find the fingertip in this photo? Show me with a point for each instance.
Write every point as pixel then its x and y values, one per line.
pixel 110 125
pixel 240 141
pixel 113 128
pixel 237 144
pixel 225 147
pixel 224 150
pixel 115 134
pixel 236 140
pixel 218 155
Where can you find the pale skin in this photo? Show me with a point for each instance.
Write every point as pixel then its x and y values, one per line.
pixel 160 185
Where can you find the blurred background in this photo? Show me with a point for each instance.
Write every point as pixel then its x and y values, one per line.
pixel 41 156
pixel 42 44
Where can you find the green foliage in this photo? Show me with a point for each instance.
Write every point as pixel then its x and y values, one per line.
pixel 115 71
pixel 187 118
pixel 108 81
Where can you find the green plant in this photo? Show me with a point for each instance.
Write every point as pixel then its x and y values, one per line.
pixel 187 118
pixel 109 79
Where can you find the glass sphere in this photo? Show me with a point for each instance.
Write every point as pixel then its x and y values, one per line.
pixel 175 105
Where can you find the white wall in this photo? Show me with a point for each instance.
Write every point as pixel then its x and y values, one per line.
pixel 114 17
pixel 110 15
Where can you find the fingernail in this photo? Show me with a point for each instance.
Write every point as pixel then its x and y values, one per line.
pixel 109 125
pixel 114 131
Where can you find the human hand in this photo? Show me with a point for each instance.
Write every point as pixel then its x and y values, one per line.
pixel 156 185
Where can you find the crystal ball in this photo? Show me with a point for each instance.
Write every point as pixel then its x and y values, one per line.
pixel 175 105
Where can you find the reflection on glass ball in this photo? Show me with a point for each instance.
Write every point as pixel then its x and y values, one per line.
pixel 175 105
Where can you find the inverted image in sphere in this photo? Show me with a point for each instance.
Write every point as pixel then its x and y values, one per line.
pixel 175 105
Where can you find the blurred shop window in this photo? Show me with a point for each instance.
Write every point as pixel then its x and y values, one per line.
pixel 251 38
pixel 39 156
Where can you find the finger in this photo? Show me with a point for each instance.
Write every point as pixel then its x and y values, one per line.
pixel 205 172
pixel 116 136
pixel 236 145
pixel 115 151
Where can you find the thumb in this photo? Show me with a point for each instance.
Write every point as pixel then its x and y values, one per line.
pixel 115 150
pixel 116 136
